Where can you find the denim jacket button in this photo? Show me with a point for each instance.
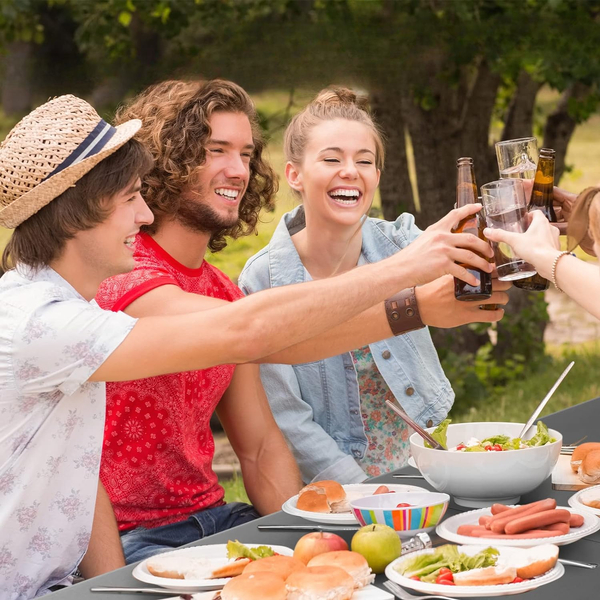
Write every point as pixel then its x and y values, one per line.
pixel 430 423
pixel 410 391
pixel 386 354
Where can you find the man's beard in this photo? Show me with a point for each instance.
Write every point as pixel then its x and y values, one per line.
pixel 198 216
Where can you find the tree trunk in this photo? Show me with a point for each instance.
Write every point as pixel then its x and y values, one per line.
pixel 456 125
pixel 560 126
pixel 519 119
pixel 395 189
pixel 17 85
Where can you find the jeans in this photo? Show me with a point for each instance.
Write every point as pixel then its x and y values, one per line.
pixel 140 543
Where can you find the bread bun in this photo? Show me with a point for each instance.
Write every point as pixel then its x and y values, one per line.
pixel 172 567
pixel 537 561
pixel 352 562
pixel 322 496
pixel 589 469
pixel 313 500
pixel 334 490
pixel 580 452
pixel 283 566
pixel 486 576
pixel 319 583
pixel 256 586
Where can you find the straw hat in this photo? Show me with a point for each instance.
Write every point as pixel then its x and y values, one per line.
pixel 49 150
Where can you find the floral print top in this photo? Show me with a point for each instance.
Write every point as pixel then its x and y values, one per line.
pixel 387 434
pixel 51 425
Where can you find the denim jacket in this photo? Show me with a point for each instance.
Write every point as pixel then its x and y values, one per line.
pixel 317 404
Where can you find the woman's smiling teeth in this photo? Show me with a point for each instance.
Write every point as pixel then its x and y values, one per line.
pixel 129 241
pixel 344 196
pixel 227 193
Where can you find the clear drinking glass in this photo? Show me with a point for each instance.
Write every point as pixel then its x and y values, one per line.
pixel 517 159
pixel 506 208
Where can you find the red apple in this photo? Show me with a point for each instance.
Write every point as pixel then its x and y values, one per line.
pixel 319 542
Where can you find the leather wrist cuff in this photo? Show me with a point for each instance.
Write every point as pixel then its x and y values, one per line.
pixel 402 311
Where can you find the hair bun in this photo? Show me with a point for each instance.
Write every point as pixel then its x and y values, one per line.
pixel 341 96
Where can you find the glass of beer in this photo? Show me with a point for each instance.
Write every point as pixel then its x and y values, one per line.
pixel 506 208
pixel 517 159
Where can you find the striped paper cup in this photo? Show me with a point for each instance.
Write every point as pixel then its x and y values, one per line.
pixel 424 513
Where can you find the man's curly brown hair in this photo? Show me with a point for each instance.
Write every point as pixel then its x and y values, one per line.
pixel 175 128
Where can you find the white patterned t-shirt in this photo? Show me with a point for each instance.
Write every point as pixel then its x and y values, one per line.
pixel 51 426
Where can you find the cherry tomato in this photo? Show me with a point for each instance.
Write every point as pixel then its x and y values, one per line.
pixel 497 447
pixel 402 505
pixel 460 447
pixel 518 580
pixel 444 578
pixel 444 570
pixel 488 448
pixel 415 578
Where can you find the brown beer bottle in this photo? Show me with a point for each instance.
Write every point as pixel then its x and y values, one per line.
pixel 542 198
pixel 466 193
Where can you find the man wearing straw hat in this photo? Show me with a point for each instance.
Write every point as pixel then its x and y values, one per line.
pixel 70 186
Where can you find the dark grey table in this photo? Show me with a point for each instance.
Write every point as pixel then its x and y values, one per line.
pixel 576 584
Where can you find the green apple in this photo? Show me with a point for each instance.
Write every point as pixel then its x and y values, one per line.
pixel 379 544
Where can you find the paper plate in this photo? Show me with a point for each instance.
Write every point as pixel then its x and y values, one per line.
pixel 576 500
pixel 472 591
pixel 216 553
pixel 353 492
pixel 448 530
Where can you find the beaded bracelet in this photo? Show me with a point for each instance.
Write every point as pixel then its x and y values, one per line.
pixel 554 265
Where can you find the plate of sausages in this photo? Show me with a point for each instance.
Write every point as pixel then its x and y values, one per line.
pixel 524 526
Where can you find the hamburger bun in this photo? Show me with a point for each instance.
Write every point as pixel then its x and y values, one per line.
pixel 313 500
pixel 283 566
pixel 580 452
pixel 256 586
pixel 589 469
pixel 352 562
pixel 319 583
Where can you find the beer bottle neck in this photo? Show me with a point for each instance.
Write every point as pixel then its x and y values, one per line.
pixel 466 188
pixel 542 195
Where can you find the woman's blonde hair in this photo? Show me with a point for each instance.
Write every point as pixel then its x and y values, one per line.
pixel 585 217
pixel 329 104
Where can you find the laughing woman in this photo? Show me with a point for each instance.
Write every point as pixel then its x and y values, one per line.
pixel 333 411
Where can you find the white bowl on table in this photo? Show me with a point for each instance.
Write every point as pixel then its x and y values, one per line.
pixel 477 479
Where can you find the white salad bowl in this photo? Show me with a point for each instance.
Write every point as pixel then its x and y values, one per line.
pixel 477 479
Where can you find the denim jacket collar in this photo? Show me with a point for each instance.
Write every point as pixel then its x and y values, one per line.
pixel 285 266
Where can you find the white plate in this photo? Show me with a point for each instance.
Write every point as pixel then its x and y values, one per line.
pixel 576 500
pixel 354 491
pixel 448 530
pixel 463 591
pixel 217 553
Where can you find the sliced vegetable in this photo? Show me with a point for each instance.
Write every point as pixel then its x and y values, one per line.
pixel 238 550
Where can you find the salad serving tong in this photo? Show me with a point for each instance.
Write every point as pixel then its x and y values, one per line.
pixel 426 436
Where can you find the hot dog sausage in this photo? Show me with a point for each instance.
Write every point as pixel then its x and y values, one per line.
pixel 533 533
pixel 471 530
pixel 498 508
pixel 537 520
pixel 558 528
pixel 576 520
pixel 484 519
pixel 498 522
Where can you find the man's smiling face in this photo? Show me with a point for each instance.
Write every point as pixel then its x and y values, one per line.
pixel 212 202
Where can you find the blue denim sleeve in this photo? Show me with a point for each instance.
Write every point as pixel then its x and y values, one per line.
pixel 317 454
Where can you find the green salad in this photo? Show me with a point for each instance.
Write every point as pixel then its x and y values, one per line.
pixel 427 567
pixel 237 550
pixel 497 443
